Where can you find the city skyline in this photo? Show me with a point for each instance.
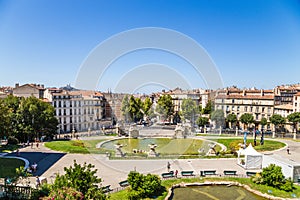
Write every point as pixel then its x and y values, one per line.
pixel 253 43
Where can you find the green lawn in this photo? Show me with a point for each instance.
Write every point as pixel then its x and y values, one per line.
pixel 269 145
pixel 168 183
pixel 75 146
pixel 8 166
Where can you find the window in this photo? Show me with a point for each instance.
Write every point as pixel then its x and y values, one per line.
pixel 251 109
pixel 232 100
pixel 246 108
pixel 257 109
pixel 232 108
pixel 238 108
pixel 263 109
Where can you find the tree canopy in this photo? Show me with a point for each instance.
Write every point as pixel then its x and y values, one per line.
pixel 202 121
pixel 27 118
pixel 189 109
pixel 165 106
pixel 247 119
pixel 218 117
pixel 294 118
pixel 231 118
pixel 81 178
pixel 142 186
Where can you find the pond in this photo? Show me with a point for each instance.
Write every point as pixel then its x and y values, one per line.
pixel 214 192
pixel 165 146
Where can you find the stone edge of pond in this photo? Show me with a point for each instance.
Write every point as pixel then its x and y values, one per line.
pixel 228 183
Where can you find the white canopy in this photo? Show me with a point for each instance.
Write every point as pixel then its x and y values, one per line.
pixel 252 160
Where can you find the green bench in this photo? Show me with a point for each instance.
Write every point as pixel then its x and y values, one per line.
pixel 124 183
pixel 208 172
pixel 187 173
pixel 250 173
pixel 106 189
pixel 229 172
pixel 168 175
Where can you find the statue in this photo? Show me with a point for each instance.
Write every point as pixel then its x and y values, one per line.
pixel 152 152
pixel 119 152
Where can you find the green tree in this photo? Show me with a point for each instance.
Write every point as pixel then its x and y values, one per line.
pixel 189 109
pixel 218 117
pixel 247 119
pixel 37 118
pixel 5 120
pixel 165 106
pixel 82 178
pixel 263 122
pixel 135 108
pixel 202 121
pixel 295 119
pixel 209 108
pixel 277 120
pixel 272 176
pixel 125 108
pixel 147 106
pixel 142 186
pixel 231 118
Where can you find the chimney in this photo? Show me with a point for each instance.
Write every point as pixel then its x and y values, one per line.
pixel 17 85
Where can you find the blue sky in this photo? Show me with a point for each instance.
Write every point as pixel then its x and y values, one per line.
pixel 253 43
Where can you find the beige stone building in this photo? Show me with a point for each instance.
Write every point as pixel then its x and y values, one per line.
pixel 78 110
pixel 259 103
pixel 27 90
pixel 296 102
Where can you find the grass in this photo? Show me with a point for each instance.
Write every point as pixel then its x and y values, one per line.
pixel 8 166
pixel 246 181
pixel 269 145
pixel 8 148
pixel 76 146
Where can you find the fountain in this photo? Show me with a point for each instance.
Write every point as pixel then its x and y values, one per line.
pixel 179 131
pixel 211 150
pixel 133 131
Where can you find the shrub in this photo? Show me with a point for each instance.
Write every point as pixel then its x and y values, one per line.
pixel 12 140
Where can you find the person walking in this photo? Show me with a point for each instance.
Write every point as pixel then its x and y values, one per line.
pixel 168 166
pixel 37 182
pixel 288 150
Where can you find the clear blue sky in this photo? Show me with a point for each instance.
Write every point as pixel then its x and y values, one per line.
pixel 253 43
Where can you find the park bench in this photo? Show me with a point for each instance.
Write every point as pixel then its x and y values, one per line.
pixel 207 172
pixel 229 172
pixel 187 173
pixel 106 189
pixel 124 183
pixel 168 175
pixel 250 173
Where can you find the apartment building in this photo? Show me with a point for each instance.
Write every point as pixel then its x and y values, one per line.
pixel 259 103
pixel 284 94
pixel 78 110
pixel 296 102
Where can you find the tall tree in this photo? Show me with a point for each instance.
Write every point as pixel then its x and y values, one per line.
pixel 209 108
pixel 36 118
pixel 295 119
pixel 231 118
pixel 165 106
pixel 247 119
pixel 277 120
pixel 218 117
pixel 189 109
pixel 147 106
pixel 5 120
pixel 125 108
pixel 202 121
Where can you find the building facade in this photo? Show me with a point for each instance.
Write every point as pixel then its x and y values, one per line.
pixel 259 103
pixel 27 90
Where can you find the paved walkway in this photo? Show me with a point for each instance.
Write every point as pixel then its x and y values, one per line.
pixel 113 171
